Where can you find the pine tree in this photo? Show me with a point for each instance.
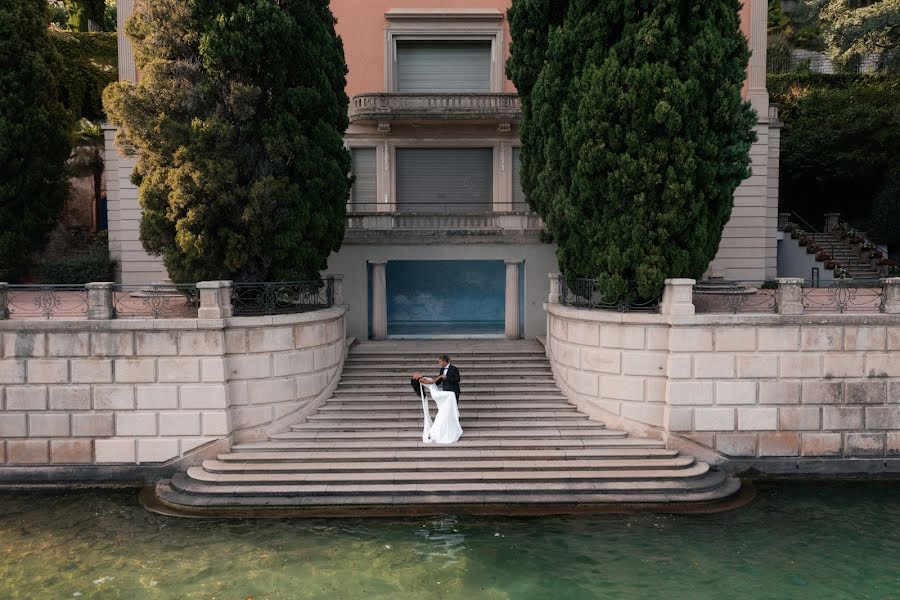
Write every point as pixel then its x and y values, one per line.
pixel 854 29
pixel 34 134
pixel 238 123
pixel 635 134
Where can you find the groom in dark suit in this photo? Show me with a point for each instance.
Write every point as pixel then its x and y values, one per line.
pixel 448 378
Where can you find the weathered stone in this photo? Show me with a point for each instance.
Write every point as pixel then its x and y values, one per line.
pixel 27 452
pixel 845 364
pixel 586 383
pixel 704 439
pixel 716 366
pixel 113 397
pixel 13 425
pixel 238 393
pixel 243 417
pixel 586 334
pixel 559 328
pixel 779 392
pixel 48 425
pixel 779 444
pixel 629 337
pixel 309 336
pixel 179 423
pixel 865 338
pixel 135 424
pixel 892 443
pixel 71 452
pixel 26 398
pixel 714 419
pixel 821 338
pixel 201 343
pixel 842 418
pixel 821 444
pixel 327 357
pixel 644 412
pixel 182 369
pixel 657 338
pixel 235 341
pixel 215 423
pixel 156 450
pixel 68 344
pixel 736 444
pixel 191 443
pixel 822 392
pixel 270 339
pixel 203 396
pixel 800 418
pixel 622 388
pixel 757 419
pixel 92 371
pixel 735 392
pixel 779 339
pixel 601 360
pixel 801 365
pixel 135 370
pixel 47 371
pixel 24 345
pixel 894 392
pixel 681 419
pixel 882 364
pixel 691 339
pixel 757 366
pixel 735 339
pixel 112 344
pixel 655 389
pixel 893 337
pixel 864 444
pixel 883 417
pixel 115 451
pixel 92 425
pixel 212 370
pixel 256 366
pixel 157 397
pixel 334 330
pixel 310 386
pixel 690 392
pixel 293 363
pixel 866 392
pixel 156 343
pixel 70 398
pixel 12 371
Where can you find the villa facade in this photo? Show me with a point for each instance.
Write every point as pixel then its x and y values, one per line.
pixel 440 240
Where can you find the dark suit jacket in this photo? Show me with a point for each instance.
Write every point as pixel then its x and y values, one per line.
pixel 451 383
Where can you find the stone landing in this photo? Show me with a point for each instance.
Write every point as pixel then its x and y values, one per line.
pixel 525 449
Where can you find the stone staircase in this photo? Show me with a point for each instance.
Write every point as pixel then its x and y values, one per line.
pixel 524 445
pixel 861 270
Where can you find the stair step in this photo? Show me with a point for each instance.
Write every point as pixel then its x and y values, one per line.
pixel 468 408
pixel 469 425
pixel 488 432
pixel 343 417
pixel 250 455
pixel 465 398
pixel 410 443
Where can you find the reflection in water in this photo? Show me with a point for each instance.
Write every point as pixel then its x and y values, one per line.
pixel 794 541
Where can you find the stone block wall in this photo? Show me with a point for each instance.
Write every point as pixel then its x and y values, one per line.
pixel 145 392
pixel 748 389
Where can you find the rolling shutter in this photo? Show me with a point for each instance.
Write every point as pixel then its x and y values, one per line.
pixel 444 179
pixel 443 66
pixel 363 197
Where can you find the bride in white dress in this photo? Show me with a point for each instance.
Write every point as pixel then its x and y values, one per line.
pixel 445 428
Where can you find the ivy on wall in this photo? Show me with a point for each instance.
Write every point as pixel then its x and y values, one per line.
pixel 89 64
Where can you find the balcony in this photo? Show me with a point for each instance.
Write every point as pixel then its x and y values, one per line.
pixel 387 108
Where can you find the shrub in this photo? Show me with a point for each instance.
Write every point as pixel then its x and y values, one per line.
pixel 86 268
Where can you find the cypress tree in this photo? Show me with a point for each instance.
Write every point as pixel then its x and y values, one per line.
pixel 635 134
pixel 34 134
pixel 237 123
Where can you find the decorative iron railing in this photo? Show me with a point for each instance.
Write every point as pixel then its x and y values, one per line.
pixel 170 301
pixel 585 293
pixel 44 302
pixel 285 297
pixel 734 297
pixel 842 296
pixel 441 106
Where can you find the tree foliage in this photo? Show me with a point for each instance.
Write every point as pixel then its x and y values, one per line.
pixel 237 123
pixel 854 29
pixel 634 135
pixel 34 134
pixel 89 64
pixel 74 15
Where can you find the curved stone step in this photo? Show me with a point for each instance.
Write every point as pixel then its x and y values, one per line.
pixel 470 414
pixel 474 406
pixel 251 456
pixel 493 433
pixel 485 444
pixel 470 425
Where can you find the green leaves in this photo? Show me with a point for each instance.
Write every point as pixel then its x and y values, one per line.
pixel 634 134
pixel 238 120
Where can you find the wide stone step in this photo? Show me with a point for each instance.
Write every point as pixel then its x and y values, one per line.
pixel 470 414
pixel 471 432
pixel 263 456
pixel 343 390
pixel 361 370
pixel 494 380
pixel 470 407
pixel 464 399
pixel 414 424
pixel 482 444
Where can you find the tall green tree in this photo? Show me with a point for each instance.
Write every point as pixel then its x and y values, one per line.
pixel 634 135
pixel 854 29
pixel 34 134
pixel 238 124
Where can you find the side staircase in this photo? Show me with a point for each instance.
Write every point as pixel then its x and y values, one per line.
pixel 861 270
pixel 525 448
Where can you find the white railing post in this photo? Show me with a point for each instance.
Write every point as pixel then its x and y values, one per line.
pixel 215 300
pixel 678 297
pixel 789 296
pixel 891 298
pixel 100 301
pixel 554 289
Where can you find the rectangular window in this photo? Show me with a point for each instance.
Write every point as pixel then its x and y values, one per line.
pixel 443 66
pixel 519 202
pixel 445 179
pixel 363 197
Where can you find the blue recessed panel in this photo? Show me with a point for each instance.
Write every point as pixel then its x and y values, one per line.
pixel 440 298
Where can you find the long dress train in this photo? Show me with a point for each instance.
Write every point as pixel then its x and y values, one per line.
pixel 445 429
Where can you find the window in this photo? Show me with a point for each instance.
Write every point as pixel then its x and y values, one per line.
pixel 519 203
pixel 363 197
pixel 443 66
pixel 444 179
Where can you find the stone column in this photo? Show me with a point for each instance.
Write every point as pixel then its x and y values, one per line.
pixel 512 300
pixel 678 297
pixel 891 295
pixel 379 300
pixel 215 300
pixel 789 296
pixel 831 220
pixel 554 289
pixel 127 68
pixel 338 289
pixel 4 300
pixel 757 93
pixel 100 301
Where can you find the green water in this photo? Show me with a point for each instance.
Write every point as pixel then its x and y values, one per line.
pixel 795 541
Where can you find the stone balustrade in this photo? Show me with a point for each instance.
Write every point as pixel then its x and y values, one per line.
pixel 386 107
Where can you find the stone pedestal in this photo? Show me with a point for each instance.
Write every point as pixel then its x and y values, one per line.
pixel 783 220
pixel 4 301
pixel 554 289
pixel 832 220
pixel 379 300
pixel 790 296
pixel 511 327
pixel 215 300
pixel 678 297
pixel 337 289
pixel 891 295
pixel 100 301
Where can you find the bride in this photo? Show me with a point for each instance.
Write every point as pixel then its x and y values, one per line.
pixel 445 429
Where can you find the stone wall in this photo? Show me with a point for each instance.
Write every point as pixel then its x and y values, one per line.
pixel 147 392
pixel 774 392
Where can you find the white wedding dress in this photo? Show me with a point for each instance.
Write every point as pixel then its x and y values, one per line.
pixel 445 428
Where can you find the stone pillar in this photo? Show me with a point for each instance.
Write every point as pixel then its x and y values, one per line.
pixel 789 296
pixel 215 300
pixel 512 300
pixel 338 289
pixel 554 289
pixel 891 295
pixel 757 93
pixel 783 219
pixel 831 220
pixel 4 300
pixel 127 68
pixel 100 301
pixel 678 297
pixel 379 300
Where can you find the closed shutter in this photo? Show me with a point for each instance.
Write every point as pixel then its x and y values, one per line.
pixel 363 197
pixel 444 179
pixel 449 66
pixel 520 204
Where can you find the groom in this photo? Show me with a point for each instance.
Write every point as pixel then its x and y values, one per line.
pixel 448 378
